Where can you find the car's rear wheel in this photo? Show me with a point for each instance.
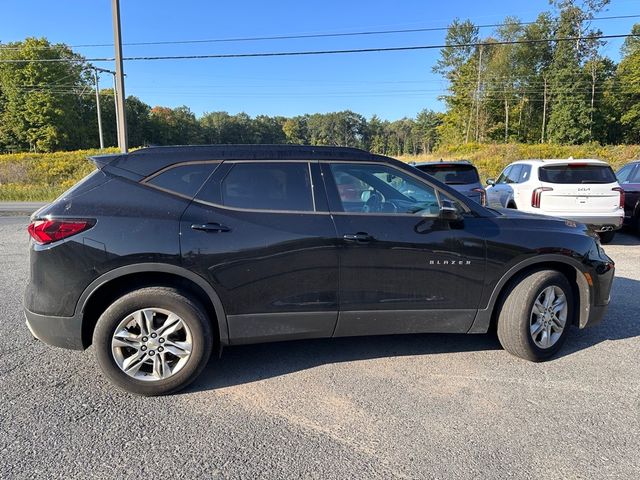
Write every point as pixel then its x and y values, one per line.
pixel 607 237
pixel 153 341
pixel 536 315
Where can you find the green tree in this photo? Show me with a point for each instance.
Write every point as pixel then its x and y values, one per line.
pixel 626 88
pixel 40 109
pixel 296 131
pixel 459 66
pixel 425 129
pixel 570 118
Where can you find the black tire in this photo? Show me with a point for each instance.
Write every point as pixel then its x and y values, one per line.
pixel 607 237
pixel 512 206
pixel 516 313
pixel 173 300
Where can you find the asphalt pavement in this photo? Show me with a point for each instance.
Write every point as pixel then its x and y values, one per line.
pixel 421 406
pixel 19 208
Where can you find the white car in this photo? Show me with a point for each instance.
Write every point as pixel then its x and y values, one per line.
pixel 585 191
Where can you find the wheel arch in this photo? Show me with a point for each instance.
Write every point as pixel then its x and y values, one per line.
pixel 486 318
pixel 115 283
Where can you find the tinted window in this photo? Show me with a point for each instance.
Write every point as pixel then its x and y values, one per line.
pixel 629 174
pixel 184 179
pixel 366 188
pixel 525 173
pixel 623 173
pixel 514 174
pixel 268 186
pixel 577 173
pixel 452 174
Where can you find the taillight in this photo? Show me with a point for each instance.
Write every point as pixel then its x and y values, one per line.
pixel 483 195
pixel 536 196
pixel 47 231
pixel 621 191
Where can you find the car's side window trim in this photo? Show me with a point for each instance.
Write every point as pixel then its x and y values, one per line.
pixel 147 179
pixel 332 192
pixel 262 210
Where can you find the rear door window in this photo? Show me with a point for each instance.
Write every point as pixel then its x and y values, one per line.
pixel 183 179
pixel 281 186
pixel 577 174
pixel 525 173
pixel 514 174
pixel 452 174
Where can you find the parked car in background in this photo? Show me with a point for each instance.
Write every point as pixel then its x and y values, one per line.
pixel 585 191
pixel 460 175
pixel 629 180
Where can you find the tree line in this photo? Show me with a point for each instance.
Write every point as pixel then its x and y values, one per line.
pixel 514 87
pixel 510 86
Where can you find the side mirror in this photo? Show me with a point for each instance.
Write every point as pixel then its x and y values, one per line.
pixel 449 212
pixel 491 181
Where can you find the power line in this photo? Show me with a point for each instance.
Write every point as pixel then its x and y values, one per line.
pixel 313 35
pixel 327 52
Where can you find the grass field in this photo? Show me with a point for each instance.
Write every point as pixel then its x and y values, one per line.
pixel 44 176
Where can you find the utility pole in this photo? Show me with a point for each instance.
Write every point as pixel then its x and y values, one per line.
pixel 115 99
pixel 115 96
pixel 120 111
pixel 95 76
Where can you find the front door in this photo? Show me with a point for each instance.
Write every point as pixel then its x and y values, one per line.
pixel 403 268
pixel 257 234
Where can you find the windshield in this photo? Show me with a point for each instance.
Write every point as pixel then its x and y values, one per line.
pixel 452 174
pixel 577 174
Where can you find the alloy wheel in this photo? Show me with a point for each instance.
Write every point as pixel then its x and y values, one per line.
pixel 548 317
pixel 151 344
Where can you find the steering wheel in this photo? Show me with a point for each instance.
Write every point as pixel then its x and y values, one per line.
pixel 374 203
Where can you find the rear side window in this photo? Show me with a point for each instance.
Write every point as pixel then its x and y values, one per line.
pixel 452 174
pixel 525 173
pixel 183 179
pixel 513 175
pixel 268 186
pixel 577 173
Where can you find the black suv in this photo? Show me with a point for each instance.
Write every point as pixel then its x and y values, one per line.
pixel 162 255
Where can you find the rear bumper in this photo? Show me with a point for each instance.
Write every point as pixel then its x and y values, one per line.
pixel 65 332
pixel 596 222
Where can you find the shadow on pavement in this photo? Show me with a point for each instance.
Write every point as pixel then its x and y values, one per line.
pixel 624 238
pixel 245 364
pixel 620 322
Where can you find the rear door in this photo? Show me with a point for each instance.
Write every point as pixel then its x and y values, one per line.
pixel 260 233
pixel 578 187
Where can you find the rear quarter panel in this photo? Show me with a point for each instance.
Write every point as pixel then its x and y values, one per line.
pixel 134 224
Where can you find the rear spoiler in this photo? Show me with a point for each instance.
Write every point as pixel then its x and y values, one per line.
pixel 114 164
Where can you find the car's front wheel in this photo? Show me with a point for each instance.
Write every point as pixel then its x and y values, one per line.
pixel 536 315
pixel 153 341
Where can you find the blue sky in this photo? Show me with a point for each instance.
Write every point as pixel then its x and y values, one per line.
pixel 391 85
